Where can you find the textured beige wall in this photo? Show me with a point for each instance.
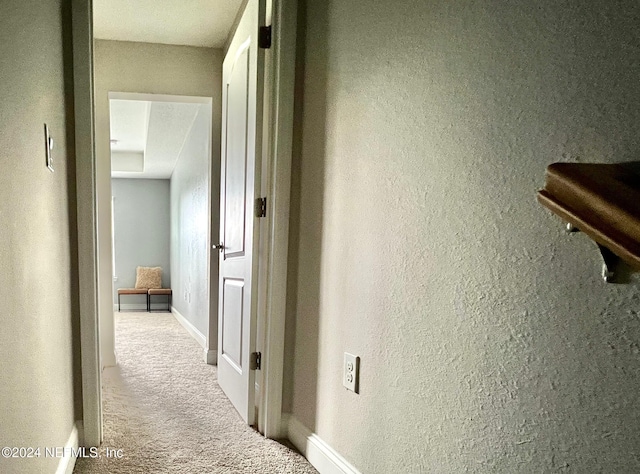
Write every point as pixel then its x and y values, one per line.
pixel 122 66
pixel 489 342
pixel 36 289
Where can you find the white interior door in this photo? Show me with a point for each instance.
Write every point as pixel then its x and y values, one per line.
pixel 240 181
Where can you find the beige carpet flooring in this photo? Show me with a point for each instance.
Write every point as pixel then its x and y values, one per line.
pixel 164 409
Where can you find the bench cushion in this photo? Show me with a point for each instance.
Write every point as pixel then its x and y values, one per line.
pixel 159 291
pixel 132 291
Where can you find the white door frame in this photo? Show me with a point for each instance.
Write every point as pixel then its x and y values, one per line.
pixel 280 108
pixel 82 31
pixel 271 316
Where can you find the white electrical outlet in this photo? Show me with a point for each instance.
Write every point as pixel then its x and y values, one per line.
pixel 351 372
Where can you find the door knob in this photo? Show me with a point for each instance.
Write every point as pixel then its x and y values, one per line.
pixel 219 246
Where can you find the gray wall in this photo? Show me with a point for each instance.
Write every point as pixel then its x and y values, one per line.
pixel 122 66
pixel 141 231
pixel 189 223
pixel 38 279
pixel 489 341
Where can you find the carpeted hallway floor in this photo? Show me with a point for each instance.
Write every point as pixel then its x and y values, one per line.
pixel 164 409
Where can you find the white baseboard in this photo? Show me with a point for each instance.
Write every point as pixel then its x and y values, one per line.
pixel 68 461
pixel 111 360
pixel 80 428
pixel 210 356
pixel 321 456
pixel 191 329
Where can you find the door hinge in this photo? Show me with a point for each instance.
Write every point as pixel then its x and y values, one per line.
pixel 260 207
pixel 256 361
pixel 264 37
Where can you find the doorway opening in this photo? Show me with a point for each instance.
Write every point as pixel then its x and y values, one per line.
pixel 94 235
pixel 161 191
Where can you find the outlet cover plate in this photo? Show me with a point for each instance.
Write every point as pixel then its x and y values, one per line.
pixel 351 372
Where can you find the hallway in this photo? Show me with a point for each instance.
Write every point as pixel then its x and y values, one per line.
pixel 164 409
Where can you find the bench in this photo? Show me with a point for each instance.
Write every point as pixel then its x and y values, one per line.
pixel 132 291
pixel 159 291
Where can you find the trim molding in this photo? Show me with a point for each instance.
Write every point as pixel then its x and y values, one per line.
pixel 87 265
pixel 210 356
pixel 281 93
pixel 68 461
pixel 191 329
pixel 321 456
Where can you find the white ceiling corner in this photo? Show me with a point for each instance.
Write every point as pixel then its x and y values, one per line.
pixel 155 131
pixel 169 125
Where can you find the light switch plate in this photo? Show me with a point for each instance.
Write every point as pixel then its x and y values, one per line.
pixel 48 145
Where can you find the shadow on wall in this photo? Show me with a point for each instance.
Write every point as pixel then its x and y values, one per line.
pixel 306 217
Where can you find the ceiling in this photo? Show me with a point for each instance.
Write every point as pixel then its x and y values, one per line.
pixel 185 22
pixel 147 136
